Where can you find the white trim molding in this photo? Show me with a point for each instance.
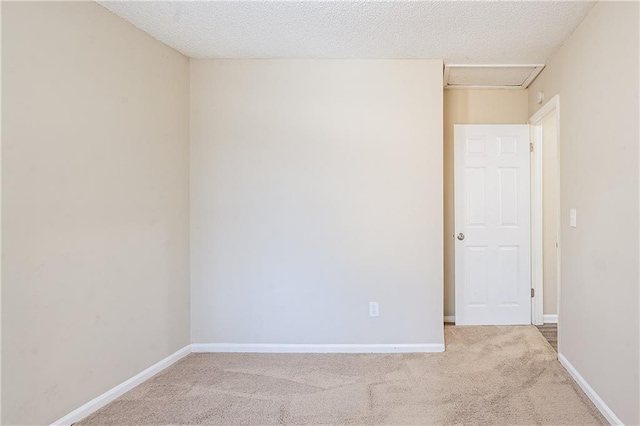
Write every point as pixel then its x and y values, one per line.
pixel 537 229
pixel 450 318
pixel 537 265
pixel 552 105
pixel 113 393
pixel 588 390
pixel 316 348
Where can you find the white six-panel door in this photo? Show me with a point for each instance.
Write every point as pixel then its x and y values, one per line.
pixel 492 224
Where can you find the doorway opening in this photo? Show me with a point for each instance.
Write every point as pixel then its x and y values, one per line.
pixel 545 219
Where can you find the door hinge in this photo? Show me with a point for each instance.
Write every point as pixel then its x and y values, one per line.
pixel 533 292
pixel 531 146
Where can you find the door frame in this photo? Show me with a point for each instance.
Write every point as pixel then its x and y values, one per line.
pixel 537 230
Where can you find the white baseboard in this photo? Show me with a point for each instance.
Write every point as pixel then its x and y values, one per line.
pixel 315 348
pixel 113 393
pixel 588 390
pixel 450 318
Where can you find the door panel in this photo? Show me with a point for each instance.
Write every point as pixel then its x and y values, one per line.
pixel 477 276
pixel 507 197
pixel 476 197
pixel 492 199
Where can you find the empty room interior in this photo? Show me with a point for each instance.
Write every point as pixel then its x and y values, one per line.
pixel 320 212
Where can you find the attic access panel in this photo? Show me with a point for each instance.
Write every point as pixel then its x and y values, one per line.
pixel 490 76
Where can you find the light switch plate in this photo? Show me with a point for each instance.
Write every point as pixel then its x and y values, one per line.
pixel 573 218
pixel 374 309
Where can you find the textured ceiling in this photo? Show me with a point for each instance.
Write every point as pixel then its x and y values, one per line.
pixel 456 31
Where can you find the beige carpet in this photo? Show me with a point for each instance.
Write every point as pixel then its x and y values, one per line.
pixel 488 375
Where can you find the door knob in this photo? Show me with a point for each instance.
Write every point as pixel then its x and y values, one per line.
pixel 461 236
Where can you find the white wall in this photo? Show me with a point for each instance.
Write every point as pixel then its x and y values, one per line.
pixel 462 106
pixel 316 187
pixel 596 74
pixel 95 277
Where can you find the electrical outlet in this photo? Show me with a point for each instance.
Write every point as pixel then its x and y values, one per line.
pixel 374 309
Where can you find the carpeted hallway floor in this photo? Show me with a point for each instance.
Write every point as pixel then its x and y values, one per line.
pixel 550 333
pixel 488 375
